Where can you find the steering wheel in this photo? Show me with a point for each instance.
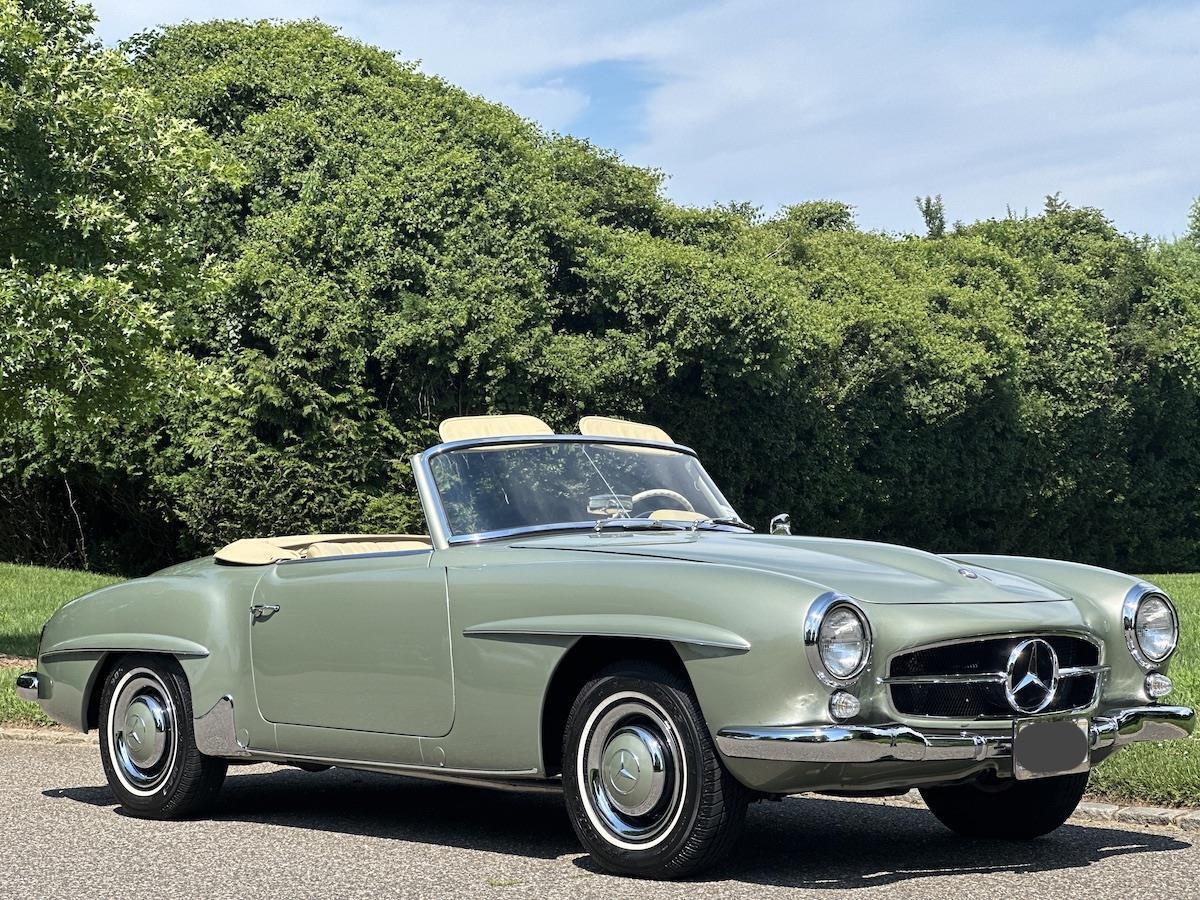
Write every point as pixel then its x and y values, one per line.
pixel 683 501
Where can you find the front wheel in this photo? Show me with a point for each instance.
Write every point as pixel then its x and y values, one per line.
pixel 147 745
pixel 645 790
pixel 1016 810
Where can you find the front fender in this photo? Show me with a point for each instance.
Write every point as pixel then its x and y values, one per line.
pixel 188 614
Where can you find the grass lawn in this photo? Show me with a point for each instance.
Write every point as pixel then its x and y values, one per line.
pixel 28 597
pixel 1165 774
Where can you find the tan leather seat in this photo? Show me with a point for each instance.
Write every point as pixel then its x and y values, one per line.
pixel 603 426
pixel 462 427
pixel 351 548
pixel 265 551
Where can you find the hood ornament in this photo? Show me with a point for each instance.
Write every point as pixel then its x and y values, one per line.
pixel 781 524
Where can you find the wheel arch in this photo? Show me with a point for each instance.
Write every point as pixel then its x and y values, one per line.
pixel 104 664
pixel 586 657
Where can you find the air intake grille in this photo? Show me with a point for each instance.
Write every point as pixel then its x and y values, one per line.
pixel 967 697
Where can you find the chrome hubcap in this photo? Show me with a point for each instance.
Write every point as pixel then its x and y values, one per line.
pixel 143 741
pixel 632 771
pixel 145 731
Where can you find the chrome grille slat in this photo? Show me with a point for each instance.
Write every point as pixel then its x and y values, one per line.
pixel 983 678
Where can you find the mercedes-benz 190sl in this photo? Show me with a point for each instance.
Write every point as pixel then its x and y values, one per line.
pixel 588 613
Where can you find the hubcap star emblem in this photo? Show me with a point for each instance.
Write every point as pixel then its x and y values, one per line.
pixel 627 771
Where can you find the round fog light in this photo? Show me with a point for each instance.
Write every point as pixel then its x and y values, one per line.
pixel 843 705
pixel 1158 685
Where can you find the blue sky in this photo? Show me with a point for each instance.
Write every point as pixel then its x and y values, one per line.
pixel 992 105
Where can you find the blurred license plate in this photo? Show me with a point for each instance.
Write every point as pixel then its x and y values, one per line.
pixel 1045 747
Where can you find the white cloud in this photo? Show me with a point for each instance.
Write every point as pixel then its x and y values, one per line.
pixel 871 102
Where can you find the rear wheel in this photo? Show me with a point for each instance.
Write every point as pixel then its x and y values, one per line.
pixel 1017 810
pixel 645 790
pixel 146 742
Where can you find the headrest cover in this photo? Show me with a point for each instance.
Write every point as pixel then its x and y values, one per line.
pixel 602 426
pixel 463 427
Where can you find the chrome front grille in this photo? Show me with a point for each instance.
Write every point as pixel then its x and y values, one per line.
pixel 967 679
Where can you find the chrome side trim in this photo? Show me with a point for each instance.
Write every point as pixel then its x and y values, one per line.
pixel 698 642
pixel 27 686
pixel 653 628
pixel 215 733
pixel 74 651
pixel 1129 608
pixel 883 743
pixel 506 779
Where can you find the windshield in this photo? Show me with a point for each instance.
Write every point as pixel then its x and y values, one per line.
pixel 517 486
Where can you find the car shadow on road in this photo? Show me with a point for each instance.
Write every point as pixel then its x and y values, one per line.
pixel 809 842
pixel 842 845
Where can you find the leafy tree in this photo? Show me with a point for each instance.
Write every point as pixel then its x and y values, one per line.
pixel 389 250
pixel 94 178
pixel 933 211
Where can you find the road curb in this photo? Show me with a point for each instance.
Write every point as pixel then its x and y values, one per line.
pixel 1185 818
pixel 47 736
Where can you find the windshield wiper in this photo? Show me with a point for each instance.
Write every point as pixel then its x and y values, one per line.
pixel 722 520
pixel 631 524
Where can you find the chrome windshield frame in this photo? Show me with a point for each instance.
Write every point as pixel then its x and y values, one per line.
pixel 431 500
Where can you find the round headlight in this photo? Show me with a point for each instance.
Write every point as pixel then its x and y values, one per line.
pixel 1151 625
pixel 837 639
pixel 1154 627
pixel 843 642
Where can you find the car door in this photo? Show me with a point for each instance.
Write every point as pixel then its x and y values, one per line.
pixel 358 643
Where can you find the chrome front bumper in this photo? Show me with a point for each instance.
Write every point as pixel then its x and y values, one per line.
pixel 867 743
pixel 27 686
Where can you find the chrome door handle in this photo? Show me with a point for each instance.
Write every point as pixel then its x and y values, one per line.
pixel 263 611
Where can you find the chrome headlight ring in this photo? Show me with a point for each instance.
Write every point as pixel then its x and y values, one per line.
pixel 821 607
pixel 1139 594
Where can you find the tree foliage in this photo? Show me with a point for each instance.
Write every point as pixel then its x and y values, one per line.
pixel 95 183
pixel 373 250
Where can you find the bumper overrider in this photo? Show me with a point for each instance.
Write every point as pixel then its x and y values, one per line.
pixel 882 743
pixel 27 686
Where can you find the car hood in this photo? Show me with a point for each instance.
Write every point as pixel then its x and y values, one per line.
pixel 871 572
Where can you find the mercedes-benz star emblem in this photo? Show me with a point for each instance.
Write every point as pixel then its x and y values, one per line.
pixel 1032 676
pixel 625 759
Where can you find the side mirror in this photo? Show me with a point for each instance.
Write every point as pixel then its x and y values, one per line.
pixel 781 524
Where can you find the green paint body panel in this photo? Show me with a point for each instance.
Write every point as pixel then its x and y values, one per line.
pixel 445 658
pixel 358 644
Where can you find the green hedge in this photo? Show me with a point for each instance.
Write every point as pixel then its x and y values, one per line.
pixel 380 250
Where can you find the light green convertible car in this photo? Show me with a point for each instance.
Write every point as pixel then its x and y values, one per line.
pixel 588 614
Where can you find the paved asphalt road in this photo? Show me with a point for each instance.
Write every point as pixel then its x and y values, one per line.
pixel 285 833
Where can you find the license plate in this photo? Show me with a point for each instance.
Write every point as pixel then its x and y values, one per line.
pixel 1045 747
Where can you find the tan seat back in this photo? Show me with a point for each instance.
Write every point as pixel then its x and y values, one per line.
pixel 265 551
pixel 464 427
pixel 353 548
pixel 603 426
